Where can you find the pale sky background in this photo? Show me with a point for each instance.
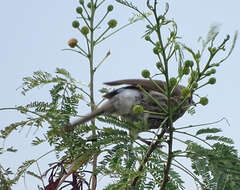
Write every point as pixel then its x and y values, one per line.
pixel 34 32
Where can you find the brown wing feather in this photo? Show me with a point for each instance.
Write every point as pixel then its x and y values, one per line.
pixel 146 84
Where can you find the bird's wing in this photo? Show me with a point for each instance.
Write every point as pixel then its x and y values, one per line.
pixel 146 84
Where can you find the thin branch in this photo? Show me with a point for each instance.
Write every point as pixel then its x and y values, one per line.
pixel 99 64
pixel 203 124
pixel 40 173
pixel 151 148
pixel 68 49
pixel 185 133
pixel 186 170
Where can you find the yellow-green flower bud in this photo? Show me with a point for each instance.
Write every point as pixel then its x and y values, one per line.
pixel 203 101
pixel 89 5
pixel 72 42
pixel 214 50
pixel 148 26
pixel 212 80
pixel 188 63
pixel 155 50
pixel 193 74
pixel 176 47
pixel 75 24
pixel 198 55
pixel 147 38
pixel 110 8
pixel 112 23
pixel 208 73
pixel 138 109
pixel 159 65
pixel 81 2
pixel 185 92
pixel 145 73
pixel 186 70
pixel 194 84
pixel 79 10
pixel 213 71
pixel 173 81
pixel 172 34
pixel 84 30
pixel 158 44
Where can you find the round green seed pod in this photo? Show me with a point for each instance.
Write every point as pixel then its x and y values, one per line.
pixel 185 92
pixel 147 38
pixel 75 24
pixel 145 73
pixel 79 10
pixel 186 70
pixel 155 50
pixel 110 8
pixel 172 81
pixel 213 71
pixel 172 34
pixel 194 84
pixel 89 5
pixel 81 2
pixel 188 63
pixel 203 101
pixel 159 65
pixel 84 30
pixel 112 23
pixel 197 56
pixel 212 80
pixel 138 109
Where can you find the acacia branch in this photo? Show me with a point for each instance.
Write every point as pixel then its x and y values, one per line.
pixel 151 148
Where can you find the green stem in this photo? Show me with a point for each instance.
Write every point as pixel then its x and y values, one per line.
pixel 186 170
pixel 92 102
pixel 102 35
pixel 211 123
pixel 194 136
pixel 86 14
pixel 109 35
pixel 152 98
pixel 170 113
pixel 101 20
pixel 82 53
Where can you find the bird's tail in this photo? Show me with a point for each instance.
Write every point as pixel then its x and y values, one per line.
pixel 105 108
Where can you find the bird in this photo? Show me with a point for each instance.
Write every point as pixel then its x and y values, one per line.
pixel 150 94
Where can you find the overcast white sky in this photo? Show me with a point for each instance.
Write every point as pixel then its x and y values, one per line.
pixel 34 32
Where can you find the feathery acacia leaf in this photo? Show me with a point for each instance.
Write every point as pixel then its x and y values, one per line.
pixel 208 130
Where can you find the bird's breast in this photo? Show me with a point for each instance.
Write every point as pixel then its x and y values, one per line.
pixel 126 99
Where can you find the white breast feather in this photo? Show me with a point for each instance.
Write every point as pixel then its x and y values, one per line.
pixel 126 100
